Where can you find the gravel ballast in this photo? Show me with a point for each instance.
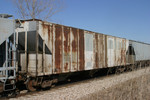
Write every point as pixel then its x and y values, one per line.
pixel 133 85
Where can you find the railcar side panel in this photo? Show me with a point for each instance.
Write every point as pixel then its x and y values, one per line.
pixel 99 51
pixel 66 49
pixel 96 51
pixel 81 51
pixel 89 50
pixel 110 51
pixel 102 51
pixel 116 51
pixel 45 31
pixel 58 49
pixel 74 49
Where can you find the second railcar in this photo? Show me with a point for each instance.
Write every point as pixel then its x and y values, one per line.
pixel 140 52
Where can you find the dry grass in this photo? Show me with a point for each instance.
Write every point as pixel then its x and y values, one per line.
pixel 128 86
pixel 133 89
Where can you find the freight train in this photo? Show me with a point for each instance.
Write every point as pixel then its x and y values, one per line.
pixel 38 53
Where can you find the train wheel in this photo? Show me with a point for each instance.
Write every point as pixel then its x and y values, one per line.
pixel 30 85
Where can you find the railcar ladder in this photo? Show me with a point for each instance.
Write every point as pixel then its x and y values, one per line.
pixel 8 72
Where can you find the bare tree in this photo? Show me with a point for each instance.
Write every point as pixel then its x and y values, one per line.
pixel 41 9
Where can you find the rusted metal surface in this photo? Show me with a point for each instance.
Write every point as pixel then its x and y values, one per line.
pixel 106 59
pixel 117 48
pixel 118 51
pixel 46 33
pixel 101 49
pixel 74 44
pixel 97 55
pixel 66 53
pixel 123 52
pixel 81 50
pixel 58 48
pixel 68 47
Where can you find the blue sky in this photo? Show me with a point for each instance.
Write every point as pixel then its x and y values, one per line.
pixel 123 18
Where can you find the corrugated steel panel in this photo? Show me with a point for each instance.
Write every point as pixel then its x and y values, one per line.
pixel 123 52
pixel 53 49
pixel 127 47
pixel 106 54
pixel 118 51
pixel 89 53
pixel 32 64
pixel 117 48
pixel 66 49
pixel 48 65
pixel 110 51
pixel 58 48
pixel 96 52
pixel 81 51
pixel 46 32
pixel 74 49
pixel 101 50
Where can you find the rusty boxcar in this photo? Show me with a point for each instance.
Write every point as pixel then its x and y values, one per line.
pixel 45 51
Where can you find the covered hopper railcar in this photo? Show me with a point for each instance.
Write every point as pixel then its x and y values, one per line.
pixel 50 48
pixel 140 53
pixel 47 52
